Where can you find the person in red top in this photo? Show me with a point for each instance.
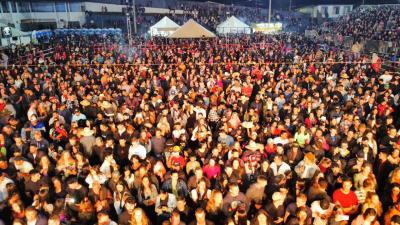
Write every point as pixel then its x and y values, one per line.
pixel 346 197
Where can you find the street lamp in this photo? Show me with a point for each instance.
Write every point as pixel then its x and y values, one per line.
pixel 269 11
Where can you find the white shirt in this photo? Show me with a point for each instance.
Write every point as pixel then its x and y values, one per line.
pixel 26 167
pixel 3 189
pixel 279 140
pixel 281 170
pixel 138 150
pixel 316 209
pixel 101 178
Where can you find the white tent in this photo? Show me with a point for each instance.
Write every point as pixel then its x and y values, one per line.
pixel 233 26
pixel 191 29
pixel 164 27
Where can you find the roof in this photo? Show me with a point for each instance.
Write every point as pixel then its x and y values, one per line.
pixel 233 25
pixel 164 27
pixel 191 29
pixel 165 23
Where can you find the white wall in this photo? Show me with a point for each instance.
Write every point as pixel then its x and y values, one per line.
pixel 331 9
pixel 15 18
pixel 96 7
pixel 152 10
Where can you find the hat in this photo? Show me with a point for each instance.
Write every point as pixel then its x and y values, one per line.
pixel 252 146
pixel 109 112
pixel 106 105
pixel 344 76
pixel 248 124
pixel 169 143
pixel 176 148
pixel 277 196
pixel 87 132
pixel 85 102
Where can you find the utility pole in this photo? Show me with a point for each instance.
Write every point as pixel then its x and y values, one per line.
pixel 269 11
pixel 134 16
pixel 128 22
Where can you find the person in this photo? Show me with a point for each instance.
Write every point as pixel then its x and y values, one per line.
pixel 368 217
pixel 165 204
pixel 395 220
pixel 346 197
pixel 175 185
pixel 275 209
pixel 54 220
pixel 201 218
pixel 33 217
pixel 126 215
pixel 256 191
pixel 161 113
pixel 104 219
pixel 139 217
pixel 394 211
pixel 233 199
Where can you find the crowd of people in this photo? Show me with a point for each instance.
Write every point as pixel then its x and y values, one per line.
pixel 256 129
pixel 375 23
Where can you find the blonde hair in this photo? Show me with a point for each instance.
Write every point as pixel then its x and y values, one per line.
pixel 144 219
pixel 211 204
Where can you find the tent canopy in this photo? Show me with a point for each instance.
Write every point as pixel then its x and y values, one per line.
pixel 191 29
pixel 233 26
pixel 164 27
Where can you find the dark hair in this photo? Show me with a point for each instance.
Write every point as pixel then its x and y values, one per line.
pixel 369 212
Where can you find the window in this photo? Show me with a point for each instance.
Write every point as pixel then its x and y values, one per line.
pixel 13 6
pixel 4 5
pixel 337 10
pixel 23 6
pixel 42 7
pixel 61 7
pixel 75 7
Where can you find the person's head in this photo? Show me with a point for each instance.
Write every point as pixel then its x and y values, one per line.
pixel 54 220
pixel 369 215
pixel 175 218
pixel 262 180
pixel 139 215
pixel 278 160
pixel 130 204
pixel 301 213
pixel 180 203
pixel 35 175
pixel 174 176
pixel 202 184
pixel 120 187
pixel 33 149
pixel 234 189
pixel 163 194
pixel 200 215
pixel 103 218
pixel 347 184
pixel 395 220
pixel 301 200
pixel 145 181
pixel 278 198
pixel 31 214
